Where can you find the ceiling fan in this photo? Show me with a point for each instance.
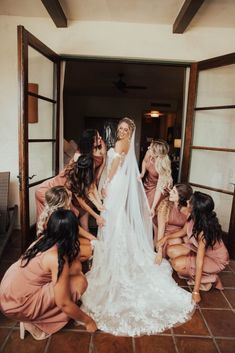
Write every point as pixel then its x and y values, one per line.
pixel 122 86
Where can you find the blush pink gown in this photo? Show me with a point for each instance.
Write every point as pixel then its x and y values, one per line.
pixel 150 183
pixel 215 260
pixel 27 294
pixel 58 180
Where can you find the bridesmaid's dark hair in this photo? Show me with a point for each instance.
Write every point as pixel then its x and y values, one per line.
pixel 87 140
pixel 185 192
pixel 80 175
pixel 62 229
pixel 204 218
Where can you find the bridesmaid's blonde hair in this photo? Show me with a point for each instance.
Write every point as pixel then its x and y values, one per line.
pixel 55 198
pixel 160 150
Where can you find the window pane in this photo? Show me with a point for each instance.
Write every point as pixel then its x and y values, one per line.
pixel 44 128
pixel 212 168
pixel 223 203
pixel 41 160
pixel 214 128
pixel 38 63
pixel 216 87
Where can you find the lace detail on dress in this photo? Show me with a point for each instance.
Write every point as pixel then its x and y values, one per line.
pixel 128 294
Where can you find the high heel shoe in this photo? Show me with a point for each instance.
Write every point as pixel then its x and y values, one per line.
pixel 39 335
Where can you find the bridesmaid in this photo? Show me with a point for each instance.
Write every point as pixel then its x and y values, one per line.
pixel 42 288
pixel 91 143
pixel 56 198
pixel 156 175
pixel 77 178
pixel 204 254
pixel 172 216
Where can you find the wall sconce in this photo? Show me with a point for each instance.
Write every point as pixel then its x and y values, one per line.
pixel 32 104
pixel 177 143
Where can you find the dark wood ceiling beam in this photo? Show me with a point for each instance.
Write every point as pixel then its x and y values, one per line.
pixel 56 12
pixel 186 14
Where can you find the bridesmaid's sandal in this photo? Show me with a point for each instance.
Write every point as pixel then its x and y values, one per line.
pixel 35 332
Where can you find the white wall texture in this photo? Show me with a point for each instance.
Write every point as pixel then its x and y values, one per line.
pixel 104 39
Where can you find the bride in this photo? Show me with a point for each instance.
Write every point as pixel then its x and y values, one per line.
pixel 128 294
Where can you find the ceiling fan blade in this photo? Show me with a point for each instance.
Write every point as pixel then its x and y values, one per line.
pixel 136 87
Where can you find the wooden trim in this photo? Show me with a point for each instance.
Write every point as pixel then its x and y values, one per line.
pixel 212 189
pixel 216 107
pixel 41 140
pixel 41 97
pixel 23 134
pixel 231 232
pixel 218 61
pixel 213 149
pixel 56 12
pixel 186 14
pixel 39 46
pixel 189 123
pixel 57 117
pixel 40 181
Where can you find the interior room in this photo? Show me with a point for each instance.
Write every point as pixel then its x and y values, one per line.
pixel 70 65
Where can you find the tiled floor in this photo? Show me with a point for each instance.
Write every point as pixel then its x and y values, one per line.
pixel 211 329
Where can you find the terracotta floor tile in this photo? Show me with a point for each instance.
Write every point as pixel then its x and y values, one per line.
pixel 154 344
pixel 16 345
pixel 5 322
pixel 3 334
pixel 228 279
pixel 195 345
pixel 195 326
pixel 105 343
pixel 226 346
pixel 230 295
pixel 221 322
pixel 213 299
pixel 69 342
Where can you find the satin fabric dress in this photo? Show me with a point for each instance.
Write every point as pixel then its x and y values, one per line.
pixel 215 260
pixel 150 181
pixel 27 294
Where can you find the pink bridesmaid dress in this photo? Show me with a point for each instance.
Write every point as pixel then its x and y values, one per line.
pixel 27 294
pixel 215 260
pixel 150 181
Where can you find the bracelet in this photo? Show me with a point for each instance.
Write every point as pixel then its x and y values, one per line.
pixel 195 292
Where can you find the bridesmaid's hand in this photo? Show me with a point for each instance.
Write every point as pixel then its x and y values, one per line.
pixel 104 192
pixel 161 242
pixel 196 298
pixel 91 326
pixel 100 221
pixel 152 212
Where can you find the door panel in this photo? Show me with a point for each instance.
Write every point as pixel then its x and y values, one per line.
pixel 209 151
pixel 38 141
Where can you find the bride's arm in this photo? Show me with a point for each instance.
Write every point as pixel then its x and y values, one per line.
pixel 114 166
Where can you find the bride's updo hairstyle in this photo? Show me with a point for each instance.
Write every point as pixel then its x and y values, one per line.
pixel 129 122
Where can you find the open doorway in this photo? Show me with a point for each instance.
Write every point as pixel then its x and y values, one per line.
pixel 97 92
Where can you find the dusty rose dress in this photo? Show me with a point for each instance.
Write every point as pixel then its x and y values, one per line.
pixel 215 260
pixel 26 294
pixel 58 180
pixel 150 183
pixel 176 220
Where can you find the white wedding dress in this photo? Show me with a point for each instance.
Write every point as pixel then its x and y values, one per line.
pixel 128 294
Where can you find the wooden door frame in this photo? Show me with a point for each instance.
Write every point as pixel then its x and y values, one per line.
pixel 215 62
pixel 26 39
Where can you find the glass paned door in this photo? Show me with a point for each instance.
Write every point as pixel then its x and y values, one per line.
pixel 39 69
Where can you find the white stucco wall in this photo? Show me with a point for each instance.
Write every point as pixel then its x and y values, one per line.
pixel 105 39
